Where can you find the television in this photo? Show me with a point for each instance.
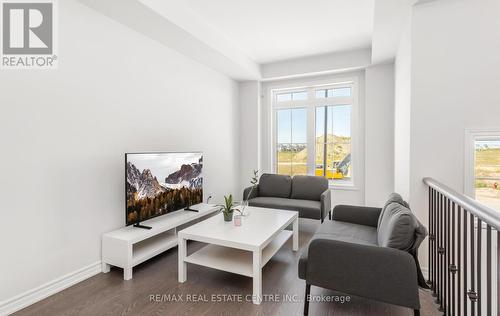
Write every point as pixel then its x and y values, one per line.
pixel 161 183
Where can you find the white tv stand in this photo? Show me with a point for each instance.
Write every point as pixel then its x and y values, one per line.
pixel 130 246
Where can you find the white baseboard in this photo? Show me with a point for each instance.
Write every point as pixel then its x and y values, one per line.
pixel 27 298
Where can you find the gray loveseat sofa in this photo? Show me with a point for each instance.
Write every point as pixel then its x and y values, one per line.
pixel 309 195
pixel 368 252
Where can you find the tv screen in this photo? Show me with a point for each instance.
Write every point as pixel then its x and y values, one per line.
pixel 160 183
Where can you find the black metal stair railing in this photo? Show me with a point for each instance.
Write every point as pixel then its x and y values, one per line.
pixel 464 252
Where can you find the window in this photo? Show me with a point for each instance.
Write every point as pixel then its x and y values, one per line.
pixel 291 141
pixel 295 96
pixel 337 92
pixel 333 151
pixel 313 131
pixel 483 167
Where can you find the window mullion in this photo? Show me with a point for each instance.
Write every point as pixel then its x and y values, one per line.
pixel 325 142
pixel 311 134
pixel 291 140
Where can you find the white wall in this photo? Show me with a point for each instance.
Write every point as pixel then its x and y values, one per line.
pixel 402 104
pixel 317 64
pixel 249 128
pixel 379 134
pixel 63 134
pixel 454 85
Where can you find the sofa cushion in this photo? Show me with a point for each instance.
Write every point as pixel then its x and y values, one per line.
pixel 308 187
pixel 341 231
pixel 348 232
pixel 393 198
pixel 275 185
pixel 306 208
pixel 397 227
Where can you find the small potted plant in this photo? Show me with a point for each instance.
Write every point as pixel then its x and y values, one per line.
pixel 228 208
pixel 254 182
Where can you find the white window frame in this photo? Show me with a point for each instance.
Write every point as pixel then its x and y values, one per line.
pixel 471 136
pixel 311 104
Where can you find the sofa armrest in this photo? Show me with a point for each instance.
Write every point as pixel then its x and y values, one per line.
pixel 326 203
pixel 370 271
pixel 357 214
pixel 248 193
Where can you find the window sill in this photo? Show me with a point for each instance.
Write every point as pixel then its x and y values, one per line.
pixel 348 186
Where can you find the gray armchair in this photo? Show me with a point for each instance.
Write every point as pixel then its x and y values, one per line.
pixel 368 252
pixel 308 195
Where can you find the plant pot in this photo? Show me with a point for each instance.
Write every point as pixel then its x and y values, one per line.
pixel 237 220
pixel 228 216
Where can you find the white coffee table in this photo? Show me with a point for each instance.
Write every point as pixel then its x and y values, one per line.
pixel 241 249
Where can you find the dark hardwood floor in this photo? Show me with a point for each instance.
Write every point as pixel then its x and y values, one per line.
pixel 108 294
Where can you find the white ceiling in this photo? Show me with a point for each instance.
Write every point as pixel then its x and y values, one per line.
pixel 272 30
pixel 269 39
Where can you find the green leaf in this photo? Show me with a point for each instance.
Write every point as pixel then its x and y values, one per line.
pixel 255 178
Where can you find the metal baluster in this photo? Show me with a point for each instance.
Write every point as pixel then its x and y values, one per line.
pixel 431 241
pixel 489 299
pixel 434 252
pixel 459 263
pixel 479 251
pixel 437 241
pixel 456 272
pixel 429 259
pixel 441 257
pixel 472 292
pixel 434 211
pixel 447 256
pixel 453 267
pixel 465 262
pixel 439 280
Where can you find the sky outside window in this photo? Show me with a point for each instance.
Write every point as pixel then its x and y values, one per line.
pixel 292 124
pixel 339 121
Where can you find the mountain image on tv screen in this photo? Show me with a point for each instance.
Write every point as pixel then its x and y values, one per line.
pixel 160 183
